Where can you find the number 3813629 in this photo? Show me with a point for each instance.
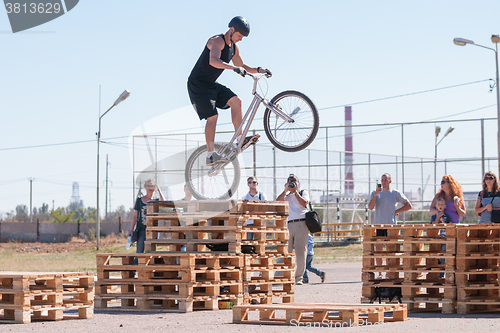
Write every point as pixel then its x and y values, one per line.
pixel 25 8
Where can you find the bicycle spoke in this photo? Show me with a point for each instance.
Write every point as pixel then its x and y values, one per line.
pixel 298 134
pixel 203 186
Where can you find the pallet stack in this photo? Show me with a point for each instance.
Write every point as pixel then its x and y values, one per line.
pixel 179 271
pixel 412 258
pixel 169 281
pixel 478 268
pixel 27 296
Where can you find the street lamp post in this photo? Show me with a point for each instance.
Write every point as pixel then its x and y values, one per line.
pixel 122 97
pixel 495 39
pixel 436 143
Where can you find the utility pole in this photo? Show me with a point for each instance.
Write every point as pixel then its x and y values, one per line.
pixel 106 208
pixel 31 199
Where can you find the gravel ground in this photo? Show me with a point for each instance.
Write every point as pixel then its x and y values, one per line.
pixel 342 285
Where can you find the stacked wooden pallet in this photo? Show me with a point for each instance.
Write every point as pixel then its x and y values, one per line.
pixel 267 277
pixel 478 268
pixel 26 296
pixel 179 272
pixel 412 259
pixel 171 225
pixel 168 281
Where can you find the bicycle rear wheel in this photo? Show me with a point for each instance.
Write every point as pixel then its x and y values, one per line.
pixel 299 134
pixel 202 186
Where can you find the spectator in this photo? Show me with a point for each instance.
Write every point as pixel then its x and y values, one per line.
pixel 451 192
pixel 309 260
pixel 140 212
pixel 384 200
pixel 187 194
pixel 441 216
pixel 488 199
pixel 297 227
pixel 253 194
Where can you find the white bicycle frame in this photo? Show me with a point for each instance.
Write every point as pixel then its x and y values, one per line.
pixel 250 114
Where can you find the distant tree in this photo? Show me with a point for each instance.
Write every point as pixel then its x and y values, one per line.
pixel 60 216
pixel 90 215
pixel 22 213
pixel 44 209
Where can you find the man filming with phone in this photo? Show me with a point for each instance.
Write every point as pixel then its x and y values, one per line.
pixel 384 200
pixel 297 201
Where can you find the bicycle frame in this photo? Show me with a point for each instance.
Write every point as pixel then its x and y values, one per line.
pixel 250 114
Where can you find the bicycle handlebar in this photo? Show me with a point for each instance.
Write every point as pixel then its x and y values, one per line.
pixel 241 71
pixel 259 75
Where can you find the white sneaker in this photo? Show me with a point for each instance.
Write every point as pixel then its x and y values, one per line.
pixel 299 283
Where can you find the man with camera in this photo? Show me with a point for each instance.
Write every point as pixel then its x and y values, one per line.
pixel 384 200
pixel 297 201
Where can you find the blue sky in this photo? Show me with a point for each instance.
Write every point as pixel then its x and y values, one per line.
pixel 337 52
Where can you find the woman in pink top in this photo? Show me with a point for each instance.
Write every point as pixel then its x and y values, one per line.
pixel 451 192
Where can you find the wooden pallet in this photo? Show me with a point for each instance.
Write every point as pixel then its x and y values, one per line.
pixel 490 261
pixel 218 206
pixel 431 304
pixel 269 288
pixel 269 275
pixel 26 296
pixel 352 315
pixel 477 307
pixel 278 261
pixel 478 278
pixel 268 298
pixel 155 303
pixel 409 290
pixel 484 294
pixel 394 232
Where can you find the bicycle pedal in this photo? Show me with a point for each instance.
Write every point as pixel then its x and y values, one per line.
pixel 250 142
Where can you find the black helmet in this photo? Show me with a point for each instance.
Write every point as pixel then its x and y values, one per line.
pixel 240 24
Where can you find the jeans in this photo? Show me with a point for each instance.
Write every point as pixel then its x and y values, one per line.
pixel 140 244
pixel 442 233
pixel 316 271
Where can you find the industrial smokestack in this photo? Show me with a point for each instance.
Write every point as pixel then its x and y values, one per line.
pixel 348 159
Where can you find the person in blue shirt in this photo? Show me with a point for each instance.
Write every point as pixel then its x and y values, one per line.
pixel 309 259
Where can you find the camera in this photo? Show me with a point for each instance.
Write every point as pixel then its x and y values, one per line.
pixel 379 185
pixel 291 184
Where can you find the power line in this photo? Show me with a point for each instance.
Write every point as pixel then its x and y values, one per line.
pixel 403 95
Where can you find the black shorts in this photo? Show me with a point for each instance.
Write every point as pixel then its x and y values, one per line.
pixel 381 232
pixel 206 98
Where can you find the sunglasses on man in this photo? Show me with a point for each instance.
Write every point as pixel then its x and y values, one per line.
pixel 252 182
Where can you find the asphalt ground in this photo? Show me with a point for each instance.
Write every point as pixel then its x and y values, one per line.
pixel 342 285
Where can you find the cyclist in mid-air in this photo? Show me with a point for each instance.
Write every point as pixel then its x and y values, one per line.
pixel 207 95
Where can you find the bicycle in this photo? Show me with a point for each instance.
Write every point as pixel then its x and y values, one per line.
pixel 291 122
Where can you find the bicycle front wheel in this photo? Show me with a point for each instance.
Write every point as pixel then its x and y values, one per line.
pixel 205 187
pixel 298 134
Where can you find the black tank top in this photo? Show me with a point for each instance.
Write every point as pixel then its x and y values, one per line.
pixel 203 71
